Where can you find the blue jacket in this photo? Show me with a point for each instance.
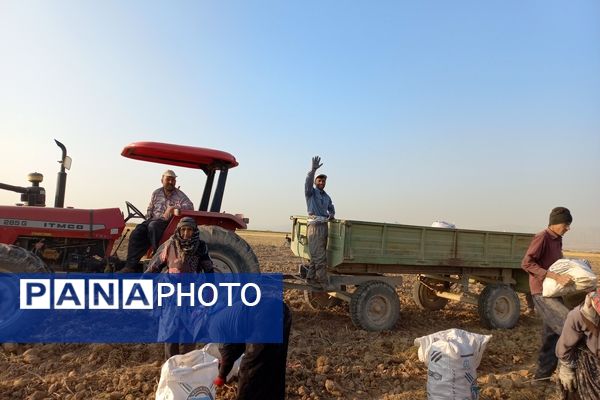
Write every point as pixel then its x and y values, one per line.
pixel 318 202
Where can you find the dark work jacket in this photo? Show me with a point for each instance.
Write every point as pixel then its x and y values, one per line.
pixel 263 367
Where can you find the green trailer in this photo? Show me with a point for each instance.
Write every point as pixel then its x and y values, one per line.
pixel 366 261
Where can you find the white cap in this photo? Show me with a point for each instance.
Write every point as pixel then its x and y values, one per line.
pixel 169 172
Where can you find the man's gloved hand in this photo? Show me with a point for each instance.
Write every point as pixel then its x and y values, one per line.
pixel 219 381
pixel 316 163
pixel 566 374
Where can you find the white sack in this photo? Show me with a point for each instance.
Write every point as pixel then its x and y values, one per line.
pixel 188 376
pixel 213 350
pixel 581 273
pixel 452 357
pixel 443 224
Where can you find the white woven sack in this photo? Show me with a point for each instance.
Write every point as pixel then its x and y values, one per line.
pixel 443 224
pixel 452 357
pixel 581 273
pixel 188 376
pixel 213 350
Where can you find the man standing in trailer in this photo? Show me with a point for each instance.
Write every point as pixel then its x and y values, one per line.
pixel 320 211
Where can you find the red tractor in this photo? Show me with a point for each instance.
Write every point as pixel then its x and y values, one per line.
pixel 36 238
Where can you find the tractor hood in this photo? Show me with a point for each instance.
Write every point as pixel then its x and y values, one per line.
pixel 15 221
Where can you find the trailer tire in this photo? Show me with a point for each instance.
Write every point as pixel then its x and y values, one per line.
pixel 321 300
pixel 375 306
pixel 425 299
pixel 16 260
pixel 499 307
pixel 229 252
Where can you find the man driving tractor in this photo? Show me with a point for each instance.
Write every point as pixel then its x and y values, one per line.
pixel 163 203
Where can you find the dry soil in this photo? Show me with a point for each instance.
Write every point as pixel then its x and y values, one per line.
pixel 328 357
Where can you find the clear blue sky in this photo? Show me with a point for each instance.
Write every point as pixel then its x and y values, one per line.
pixel 481 113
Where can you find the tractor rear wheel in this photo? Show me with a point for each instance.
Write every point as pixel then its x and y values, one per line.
pixel 229 252
pixel 15 260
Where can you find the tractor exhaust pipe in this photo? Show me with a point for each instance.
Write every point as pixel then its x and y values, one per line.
pixel 61 181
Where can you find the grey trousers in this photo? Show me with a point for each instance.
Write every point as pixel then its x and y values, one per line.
pixel 553 313
pixel 317 246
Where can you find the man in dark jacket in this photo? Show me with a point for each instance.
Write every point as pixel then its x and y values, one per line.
pixel 263 367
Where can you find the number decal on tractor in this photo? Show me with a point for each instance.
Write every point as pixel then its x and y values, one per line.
pixel 14 222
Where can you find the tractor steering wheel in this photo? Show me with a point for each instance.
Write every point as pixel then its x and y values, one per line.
pixel 133 212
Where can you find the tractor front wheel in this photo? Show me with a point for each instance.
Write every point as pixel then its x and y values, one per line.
pixel 15 260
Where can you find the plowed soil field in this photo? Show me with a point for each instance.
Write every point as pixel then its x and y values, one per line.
pixel 328 357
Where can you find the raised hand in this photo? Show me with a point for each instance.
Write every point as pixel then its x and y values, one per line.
pixel 316 163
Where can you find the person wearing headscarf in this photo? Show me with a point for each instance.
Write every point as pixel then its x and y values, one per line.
pixel 578 351
pixel 183 253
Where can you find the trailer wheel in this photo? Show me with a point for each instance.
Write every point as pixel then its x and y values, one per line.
pixel 229 252
pixel 321 300
pixel 15 260
pixel 424 297
pixel 499 307
pixel 374 306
